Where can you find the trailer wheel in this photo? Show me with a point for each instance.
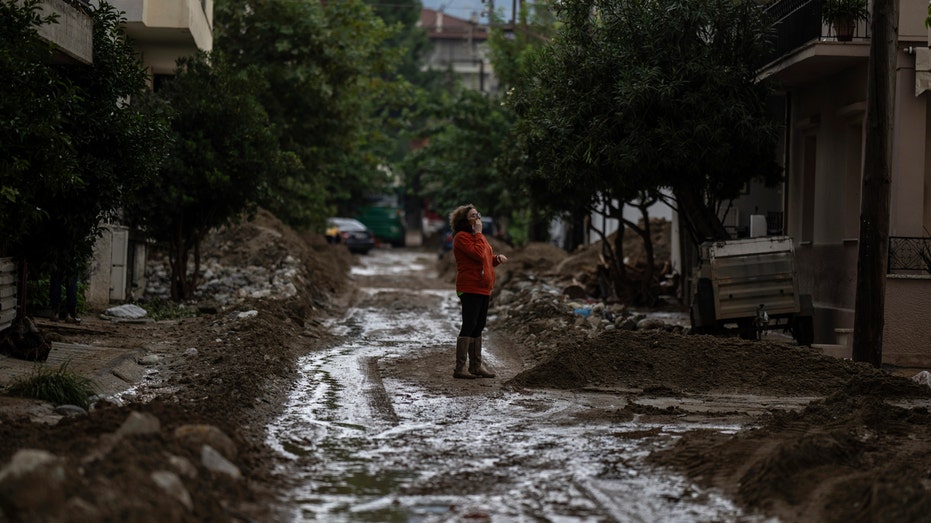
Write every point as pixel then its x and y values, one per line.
pixel 747 329
pixel 803 327
pixel 702 310
pixel 700 328
pixel 803 324
pixel 705 299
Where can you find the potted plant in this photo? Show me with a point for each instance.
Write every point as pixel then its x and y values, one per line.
pixel 843 16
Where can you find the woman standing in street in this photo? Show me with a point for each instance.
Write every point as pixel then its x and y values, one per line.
pixel 475 277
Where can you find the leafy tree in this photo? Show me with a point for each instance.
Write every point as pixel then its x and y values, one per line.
pixel 405 122
pixel 513 50
pixel 410 41
pixel 326 71
pixel 465 136
pixel 222 154
pixel 32 145
pixel 74 150
pixel 635 96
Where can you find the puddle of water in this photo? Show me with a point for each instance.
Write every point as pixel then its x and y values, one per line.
pixel 428 457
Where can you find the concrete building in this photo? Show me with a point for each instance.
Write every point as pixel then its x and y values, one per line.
pixel 164 30
pixel 161 31
pixel 824 89
pixel 73 34
pixel 461 47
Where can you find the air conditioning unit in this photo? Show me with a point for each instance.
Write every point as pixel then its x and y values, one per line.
pixel 757 225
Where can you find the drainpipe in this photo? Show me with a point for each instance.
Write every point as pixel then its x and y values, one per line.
pixel 922 68
pixel 786 153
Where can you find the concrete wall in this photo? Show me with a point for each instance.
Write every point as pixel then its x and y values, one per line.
pixel 173 28
pixel 823 184
pixel 907 331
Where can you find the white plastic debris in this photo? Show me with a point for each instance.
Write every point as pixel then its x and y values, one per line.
pixel 922 378
pixel 126 311
pixel 247 314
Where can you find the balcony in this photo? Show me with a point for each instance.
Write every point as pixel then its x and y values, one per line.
pixel 804 47
pixel 175 23
pixel 73 34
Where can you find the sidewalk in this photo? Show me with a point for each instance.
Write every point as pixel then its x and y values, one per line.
pixel 113 369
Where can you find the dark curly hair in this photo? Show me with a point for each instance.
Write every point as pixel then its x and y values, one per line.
pixel 459 218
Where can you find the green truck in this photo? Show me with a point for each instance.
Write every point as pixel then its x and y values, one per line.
pixel 385 221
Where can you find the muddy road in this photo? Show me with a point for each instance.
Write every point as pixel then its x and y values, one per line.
pixel 376 429
pixel 336 404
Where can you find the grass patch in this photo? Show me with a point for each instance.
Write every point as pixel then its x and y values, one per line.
pixel 60 387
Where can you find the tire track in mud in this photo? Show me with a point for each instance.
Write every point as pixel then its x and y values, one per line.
pixel 375 389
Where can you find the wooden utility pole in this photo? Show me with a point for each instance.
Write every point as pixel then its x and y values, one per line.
pixel 877 177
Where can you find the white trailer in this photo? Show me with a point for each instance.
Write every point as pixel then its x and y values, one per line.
pixel 753 284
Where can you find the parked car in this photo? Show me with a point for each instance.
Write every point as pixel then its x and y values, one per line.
pixel 350 232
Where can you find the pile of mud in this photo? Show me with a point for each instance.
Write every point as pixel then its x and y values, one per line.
pixel 688 364
pixel 212 381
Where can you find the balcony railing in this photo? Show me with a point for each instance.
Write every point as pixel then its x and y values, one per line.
pixel 907 253
pixel 797 22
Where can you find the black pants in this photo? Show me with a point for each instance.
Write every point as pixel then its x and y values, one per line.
pixel 70 281
pixel 474 313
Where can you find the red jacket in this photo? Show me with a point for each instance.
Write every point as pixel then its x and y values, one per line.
pixel 474 263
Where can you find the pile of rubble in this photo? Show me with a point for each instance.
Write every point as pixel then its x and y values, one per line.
pixel 225 284
pixel 257 258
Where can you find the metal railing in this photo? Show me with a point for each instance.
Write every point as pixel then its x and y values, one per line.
pixel 797 22
pixel 909 253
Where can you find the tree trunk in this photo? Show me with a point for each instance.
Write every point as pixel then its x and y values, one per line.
pixel 195 276
pixel 877 175
pixel 613 271
pixel 618 269
pixel 178 255
pixel 701 220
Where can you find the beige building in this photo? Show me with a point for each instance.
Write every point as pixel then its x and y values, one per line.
pixel 165 30
pixel 461 47
pixel 824 87
pixel 161 31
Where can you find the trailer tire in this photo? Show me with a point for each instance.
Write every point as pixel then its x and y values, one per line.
pixel 701 313
pixel 803 325
pixel 804 330
pixel 705 299
pixel 747 329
